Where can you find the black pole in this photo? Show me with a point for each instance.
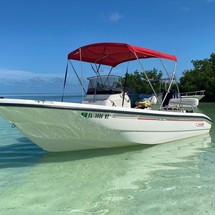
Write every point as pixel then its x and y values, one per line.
pixel 64 84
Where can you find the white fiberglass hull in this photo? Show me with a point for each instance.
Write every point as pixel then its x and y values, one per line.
pixel 60 126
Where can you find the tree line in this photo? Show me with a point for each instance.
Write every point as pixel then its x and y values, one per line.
pixel 201 77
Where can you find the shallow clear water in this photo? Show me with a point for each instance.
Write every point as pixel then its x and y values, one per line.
pixel 172 178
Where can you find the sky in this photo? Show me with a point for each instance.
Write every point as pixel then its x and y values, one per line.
pixel 37 35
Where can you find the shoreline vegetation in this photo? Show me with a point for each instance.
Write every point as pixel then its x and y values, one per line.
pixel 201 77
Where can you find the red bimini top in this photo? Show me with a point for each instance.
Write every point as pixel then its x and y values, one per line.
pixel 112 54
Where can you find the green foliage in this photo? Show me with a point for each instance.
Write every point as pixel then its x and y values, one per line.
pixel 138 82
pixel 202 77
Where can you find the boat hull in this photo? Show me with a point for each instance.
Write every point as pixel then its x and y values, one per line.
pixel 59 126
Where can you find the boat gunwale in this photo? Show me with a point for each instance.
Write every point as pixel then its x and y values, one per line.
pixel 98 108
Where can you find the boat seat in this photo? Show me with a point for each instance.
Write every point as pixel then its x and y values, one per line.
pixel 192 102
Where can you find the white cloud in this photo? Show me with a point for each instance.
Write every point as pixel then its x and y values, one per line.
pixel 18 81
pixel 115 17
pixel 7 74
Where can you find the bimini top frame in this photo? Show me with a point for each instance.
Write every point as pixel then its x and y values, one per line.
pixel 112 54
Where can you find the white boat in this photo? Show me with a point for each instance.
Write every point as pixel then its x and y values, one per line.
pixel 105 118
pixel 194 94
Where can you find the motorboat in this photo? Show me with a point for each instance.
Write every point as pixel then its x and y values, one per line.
pixel 199 94
pixel 105 118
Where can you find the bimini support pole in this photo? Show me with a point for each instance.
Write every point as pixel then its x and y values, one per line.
pixel 126 77
pixel 64 84
pixel 81 83
pixel 82 74
pixel 170 84
pixel 145 74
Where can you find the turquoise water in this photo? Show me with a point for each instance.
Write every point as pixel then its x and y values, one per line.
pixel 172 178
